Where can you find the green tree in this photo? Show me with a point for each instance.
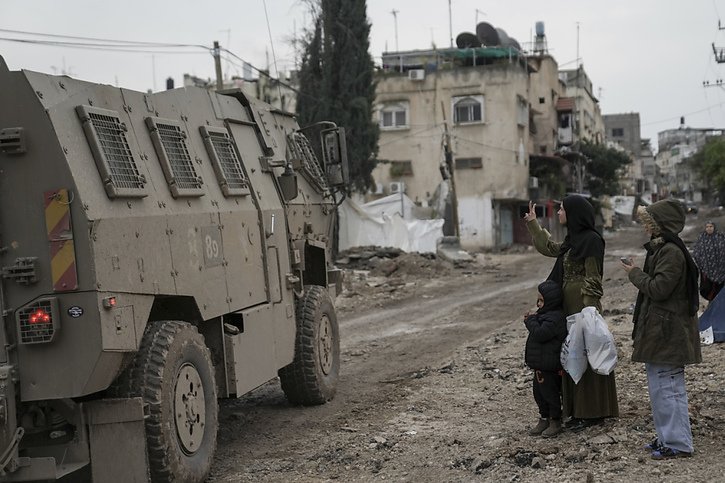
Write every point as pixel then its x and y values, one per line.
pixel 336 80
pixel 603 168
pixel 709 163
pixel 310 75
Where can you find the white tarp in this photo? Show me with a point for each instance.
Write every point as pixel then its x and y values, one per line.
pixel 387 222
pixel 623 205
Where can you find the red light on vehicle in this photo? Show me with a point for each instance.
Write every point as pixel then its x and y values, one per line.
pixel 40 316
pixel 109 302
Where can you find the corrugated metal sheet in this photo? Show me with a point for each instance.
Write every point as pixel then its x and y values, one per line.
pixel 565 104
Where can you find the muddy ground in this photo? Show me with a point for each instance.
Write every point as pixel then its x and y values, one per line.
pixel 433 386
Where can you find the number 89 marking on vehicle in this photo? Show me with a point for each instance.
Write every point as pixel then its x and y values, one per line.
pixel 212 243
pixel 212 247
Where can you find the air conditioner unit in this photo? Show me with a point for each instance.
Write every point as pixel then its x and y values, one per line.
pixel 397 187
pixel 416 74
pixel 533 182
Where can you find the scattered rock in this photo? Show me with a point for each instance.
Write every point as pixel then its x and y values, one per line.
pixel 601 439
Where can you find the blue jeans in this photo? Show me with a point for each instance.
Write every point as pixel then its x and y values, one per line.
pixel 668 397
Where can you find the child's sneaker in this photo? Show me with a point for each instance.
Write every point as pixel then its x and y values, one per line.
pixel 665 453
pixel 540 427
pixel 653 445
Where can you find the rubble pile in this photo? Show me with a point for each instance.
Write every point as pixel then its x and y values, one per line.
pixel 387 262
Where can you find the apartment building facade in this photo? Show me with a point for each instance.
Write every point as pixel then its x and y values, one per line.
pixel 475 101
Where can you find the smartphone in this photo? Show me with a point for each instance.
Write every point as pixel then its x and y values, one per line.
pixel 626 260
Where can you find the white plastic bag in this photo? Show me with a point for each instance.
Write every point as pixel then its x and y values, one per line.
pixel 573 351
pixel 599 341
pixel 706 336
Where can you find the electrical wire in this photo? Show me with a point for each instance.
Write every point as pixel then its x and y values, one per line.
pixel 686 114
pixel 410 135
pixel 271 43
pixel 124 42
pixel 101 47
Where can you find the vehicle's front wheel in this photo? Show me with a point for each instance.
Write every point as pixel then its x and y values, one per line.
pixel 174 375
pixel 312 377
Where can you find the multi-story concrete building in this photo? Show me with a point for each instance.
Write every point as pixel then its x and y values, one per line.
pixel 481 97
pixel 580 103
pixel 676 146
pixel 650 172
pixel 624 129
pixel 545 89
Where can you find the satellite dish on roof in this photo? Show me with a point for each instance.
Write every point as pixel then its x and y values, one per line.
pixel 503 38
pixel 487 34
pixel 466 40
pixel 515 44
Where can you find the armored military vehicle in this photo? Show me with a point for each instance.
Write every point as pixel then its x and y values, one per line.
pixel 158 252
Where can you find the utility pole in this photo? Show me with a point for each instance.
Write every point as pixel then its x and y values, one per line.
pixel 395 20
pixel 450 163
pixel 577 47
pixel 450 23
pixel 218 66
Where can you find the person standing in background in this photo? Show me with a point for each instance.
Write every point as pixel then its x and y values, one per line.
pixel 709 255
pixel 578 270
pixel 665 334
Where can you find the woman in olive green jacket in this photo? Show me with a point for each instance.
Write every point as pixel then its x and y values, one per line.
pixel 666 335
pixel 578 268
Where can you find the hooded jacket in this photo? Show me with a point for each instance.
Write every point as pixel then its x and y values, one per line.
pixel 547 330
pixel 664 331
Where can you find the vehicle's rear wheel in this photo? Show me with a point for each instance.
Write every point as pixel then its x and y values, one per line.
pixel 312 377
pixel 174 375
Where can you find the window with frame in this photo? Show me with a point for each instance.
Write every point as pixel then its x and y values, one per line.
pixel 469 163
pixel 467 109
pixel 617 132
pixel 401 168
pixel 394 115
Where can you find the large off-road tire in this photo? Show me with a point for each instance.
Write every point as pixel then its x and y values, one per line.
pixel 174 375
pixel 312 377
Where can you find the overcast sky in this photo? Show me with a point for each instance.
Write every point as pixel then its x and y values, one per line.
pixel 646 56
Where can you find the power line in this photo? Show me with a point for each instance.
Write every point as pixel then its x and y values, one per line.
pixel 125 42
pixel 109 45
pixel 686 114
pixel 99 46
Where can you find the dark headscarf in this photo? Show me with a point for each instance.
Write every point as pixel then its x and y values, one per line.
pixel 709 254
pixel 582 239
pixel 553 296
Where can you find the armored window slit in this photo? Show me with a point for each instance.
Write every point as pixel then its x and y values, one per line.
pixel 227 164
pixel 106 136
pixel 170 144
pixel 302 149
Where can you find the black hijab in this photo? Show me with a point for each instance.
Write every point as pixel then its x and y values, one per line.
pixel 582 239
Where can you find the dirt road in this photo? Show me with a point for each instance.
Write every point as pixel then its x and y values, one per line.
pixel 433 388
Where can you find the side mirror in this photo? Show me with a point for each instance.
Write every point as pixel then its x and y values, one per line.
pixel 334 154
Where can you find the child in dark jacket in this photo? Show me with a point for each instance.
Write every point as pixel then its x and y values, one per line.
pixel 547 331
